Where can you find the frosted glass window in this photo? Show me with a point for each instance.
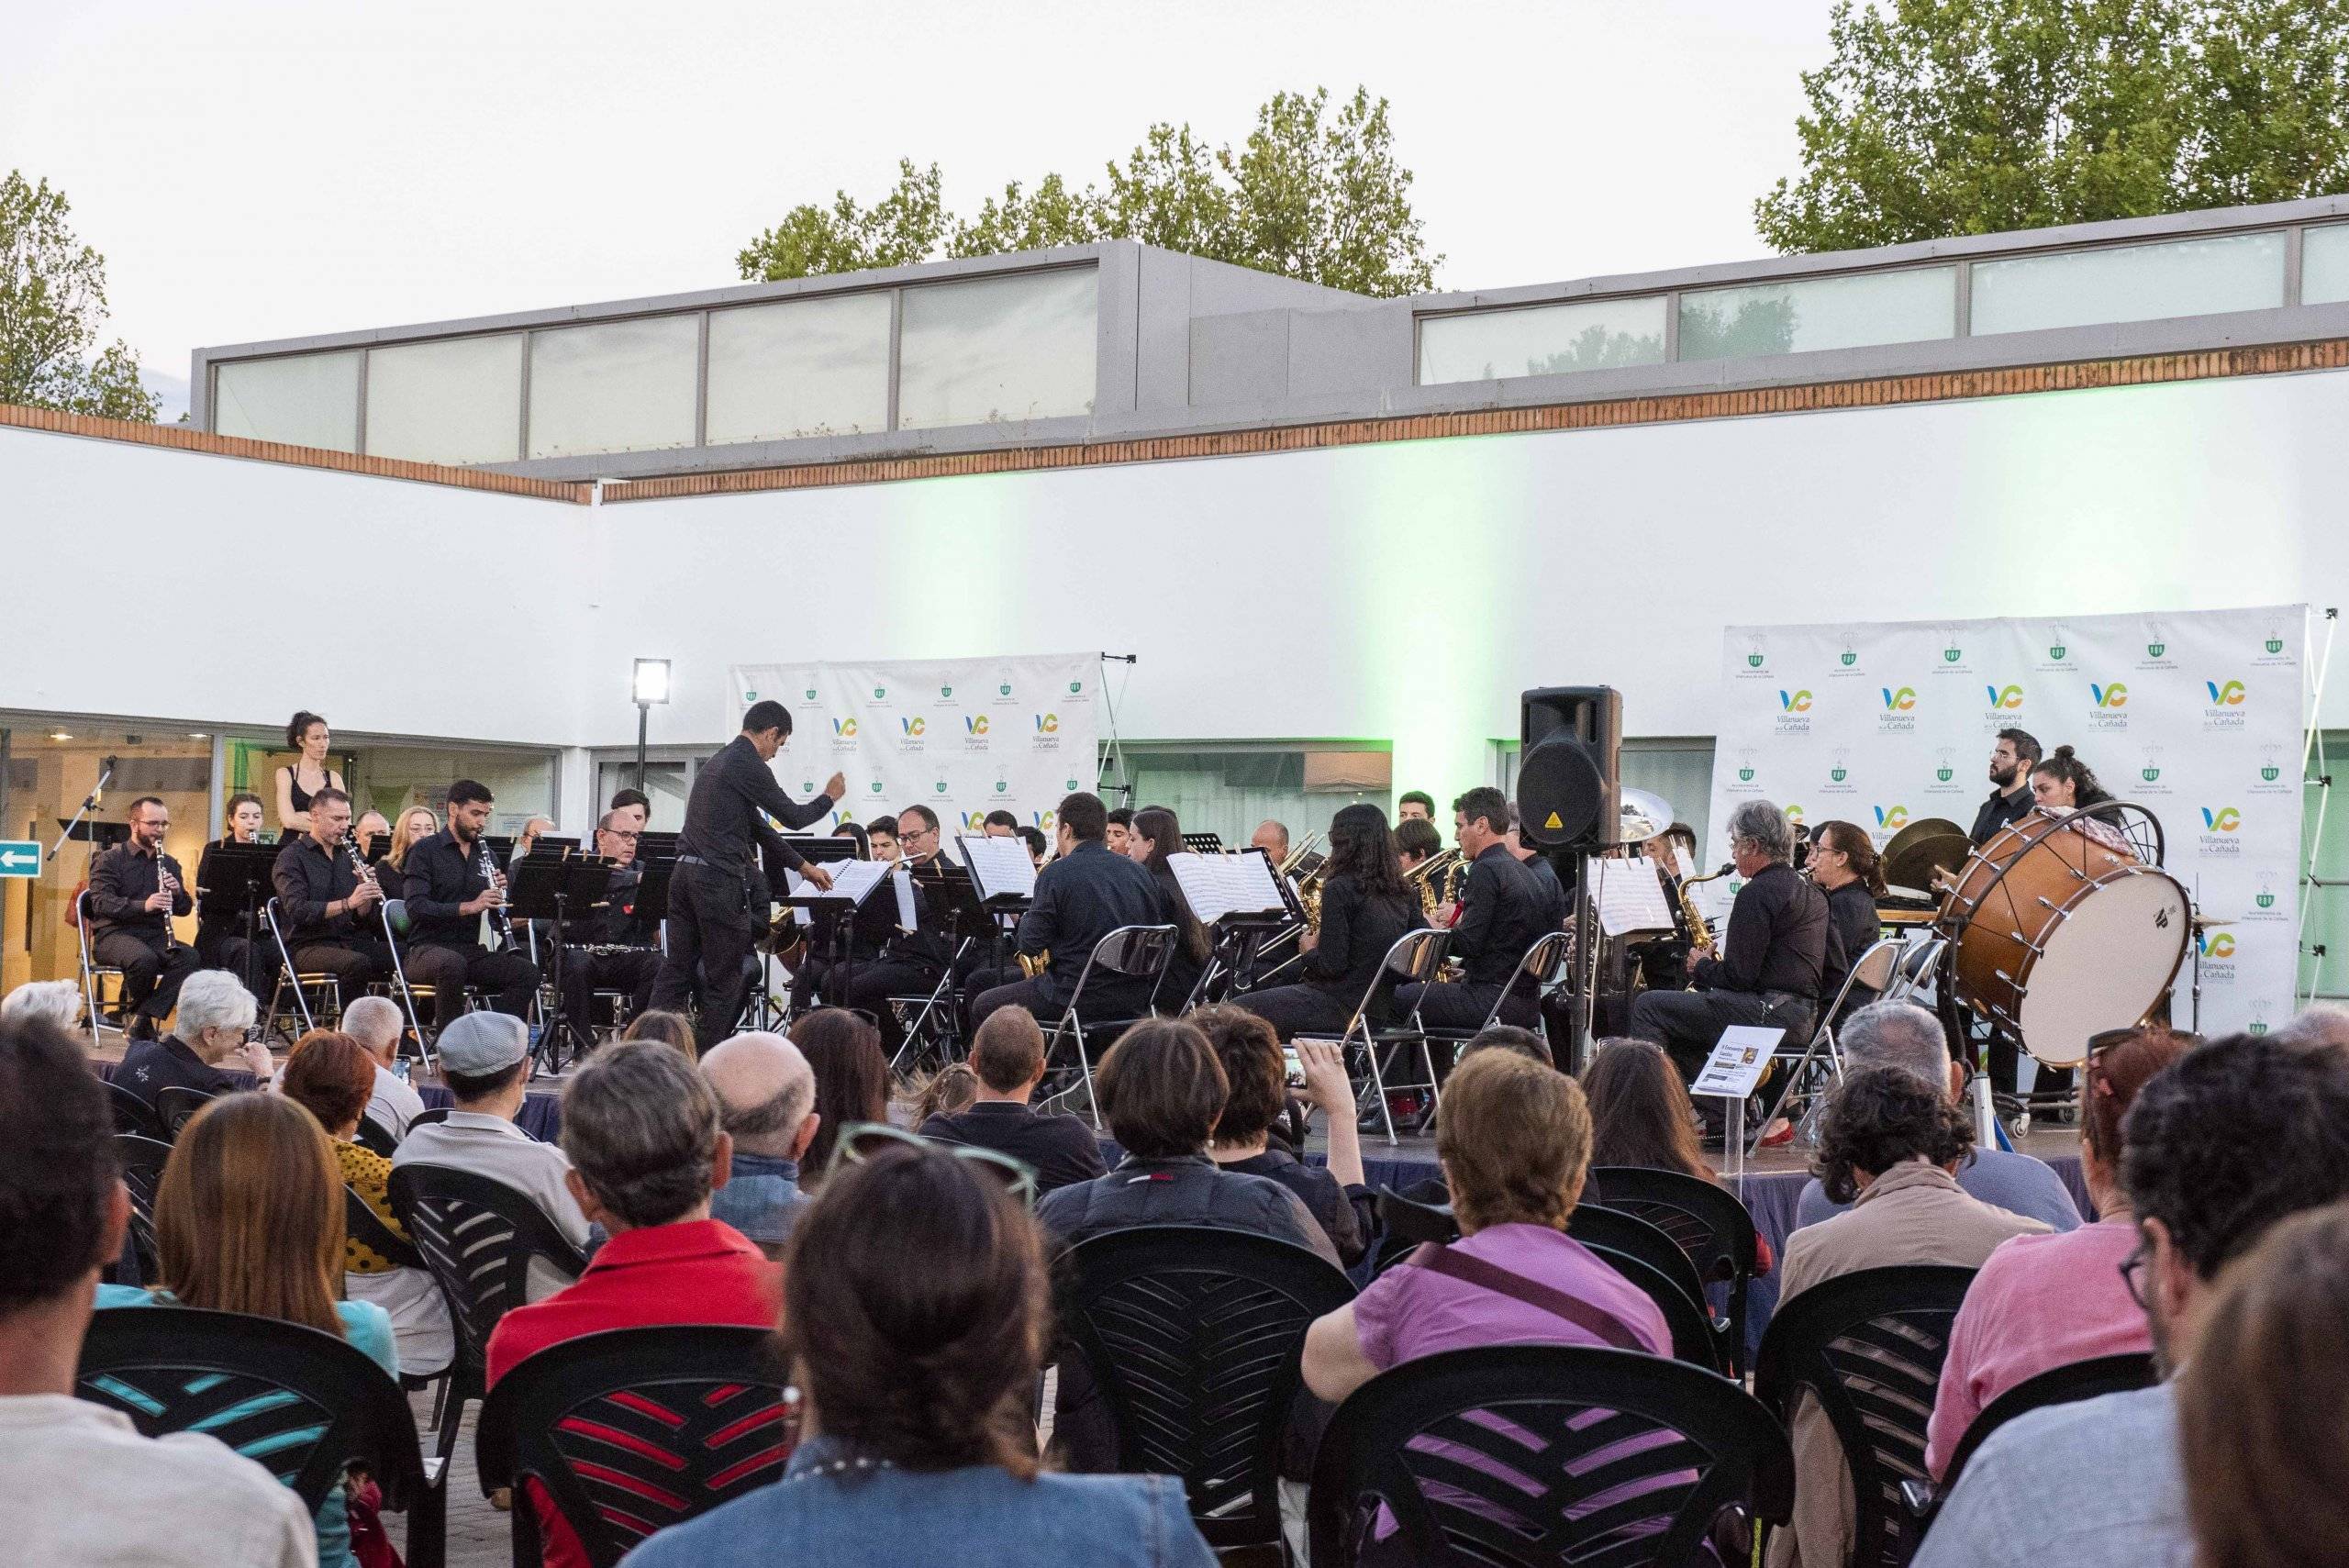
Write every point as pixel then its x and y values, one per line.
pixel 997 350
pixel 2324 264
pixel 809 367
pixel 617 387
pixel 1800 315
pixel 1546 340
pixel 308 400
pixel 2130 283
pixel 459 400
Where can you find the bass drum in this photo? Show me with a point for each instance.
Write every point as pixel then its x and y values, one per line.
pixel 2058 936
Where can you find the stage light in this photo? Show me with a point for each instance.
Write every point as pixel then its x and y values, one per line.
pixel 652 682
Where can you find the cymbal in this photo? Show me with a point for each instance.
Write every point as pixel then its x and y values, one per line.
pixel 1911 855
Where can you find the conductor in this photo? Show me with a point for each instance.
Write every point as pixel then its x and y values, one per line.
pixel 710 893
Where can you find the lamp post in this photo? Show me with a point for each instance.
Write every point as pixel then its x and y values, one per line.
pixel 648 686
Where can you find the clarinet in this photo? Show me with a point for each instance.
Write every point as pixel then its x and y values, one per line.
pixel 361 871
pixel 487 865
pixel 164 883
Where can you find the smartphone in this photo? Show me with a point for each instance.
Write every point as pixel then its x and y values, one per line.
pixel 1292 1067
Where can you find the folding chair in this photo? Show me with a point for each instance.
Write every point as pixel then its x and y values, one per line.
pixel 1916 965
pixel 94 973
pixel 1875 971
pixel 328 986
pixel 1416 957
pixel 1543 964
pixel 1129 952
pixel 934 1009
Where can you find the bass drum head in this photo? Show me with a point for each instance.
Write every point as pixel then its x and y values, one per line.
pixel 2106 964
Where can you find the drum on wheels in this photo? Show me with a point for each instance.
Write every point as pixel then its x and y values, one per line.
pixel 2059 931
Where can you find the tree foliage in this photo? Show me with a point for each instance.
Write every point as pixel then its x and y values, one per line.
pixel 52 302
pixel 1938 117
pixel 1315 193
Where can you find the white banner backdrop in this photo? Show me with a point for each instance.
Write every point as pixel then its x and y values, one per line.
pixel 963 737
pixel 2196 716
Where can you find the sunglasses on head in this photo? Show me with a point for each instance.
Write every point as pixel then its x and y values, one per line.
pixel 863 1140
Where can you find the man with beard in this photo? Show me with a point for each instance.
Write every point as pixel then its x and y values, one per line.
pixel 447 891
pixel 2011 763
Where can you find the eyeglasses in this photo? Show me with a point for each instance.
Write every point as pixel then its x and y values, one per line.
pixel 2133 1272
pixel 621 833
pixel 863 1140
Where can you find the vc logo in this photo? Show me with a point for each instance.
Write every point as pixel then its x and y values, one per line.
pixel 913 727
pixel 2218 944
pixel 2230 694
pixel 1891 817
pixel 845 728
pixel 1047 724
pixel 1899 701
pixel 976 724
pixel 2226 819
pixel 2005 697
pixel 1794 702
pixel 2113 695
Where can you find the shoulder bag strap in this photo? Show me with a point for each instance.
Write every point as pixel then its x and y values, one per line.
pixel 1469 1270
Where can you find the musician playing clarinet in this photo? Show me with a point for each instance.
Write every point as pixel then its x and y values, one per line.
pixel 135 889
pixel 330 916
pixel 452 881
pixel 618 947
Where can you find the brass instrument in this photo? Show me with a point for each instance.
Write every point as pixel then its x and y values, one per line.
pixel 1701 935
pixel 1427 879
pixel 1032 964
pixel 1296 857
pixel 1309 896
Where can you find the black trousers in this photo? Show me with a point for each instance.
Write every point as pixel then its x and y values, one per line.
pixel 355 961
pixel 709 938
pixel 1303 1009
pixel 1037 995
pixel 631 970
pixel 867 987
pixel 152 971
pixel 222 947
pixel 509 978
pixel 1687 1024
pixel 1462 1004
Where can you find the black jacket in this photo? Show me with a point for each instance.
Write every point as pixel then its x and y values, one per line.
pixel 1188 1190
pixel 1343 1213
pixel 2002 810
pixel 722 812
pixel 1852 927
pixel 1777 938
pixel 1080 899
pixel 1355 934
pixel 309 879
pixel 120 880
pixel 1062 1149
pixel 1503 908
pixel 440 874
pixel 151 1066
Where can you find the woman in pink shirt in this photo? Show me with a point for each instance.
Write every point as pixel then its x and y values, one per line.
pixel 2042 1301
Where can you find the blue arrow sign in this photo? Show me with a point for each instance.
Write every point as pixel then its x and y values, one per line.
pixel 20 856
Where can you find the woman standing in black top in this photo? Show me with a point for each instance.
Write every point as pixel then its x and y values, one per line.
pixel 306 734
pixel 1843 867
pixel 1365 909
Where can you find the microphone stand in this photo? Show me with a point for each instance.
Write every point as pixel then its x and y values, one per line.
pixel 89 803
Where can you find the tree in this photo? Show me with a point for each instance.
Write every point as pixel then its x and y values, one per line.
pixel 1937 117
pixel 52 302
pixel 1313 194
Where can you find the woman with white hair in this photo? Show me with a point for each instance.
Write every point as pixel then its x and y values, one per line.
pixel 52 1001
pixel 206 1042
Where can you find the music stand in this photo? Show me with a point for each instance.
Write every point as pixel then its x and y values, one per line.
pixel 549 888
pixel 100 836
pixel 244 875
pixel 832 914
pixel 1204 843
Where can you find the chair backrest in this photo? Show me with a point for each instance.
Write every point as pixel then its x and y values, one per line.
pixel 477 1236
pixel 1595 1225
pixel 376 1137
pixel 1915 966
pixel 428 1115
pixel 1684 1315
pixel 1193 1335
pixel 1538 1456
pixel 2057 1385
pixel 1415 957
pixel 305 1403
pixel 1869 1347
pixel 1544 959
pixel 1128 953
pixel 364 1226
pixel 1874 967
pixel 633 1429
pixel 1707 1221
pixel 290 975
pixel 1404 1222
pixel 175 1103
pixel 132 1114
pixel 142 1161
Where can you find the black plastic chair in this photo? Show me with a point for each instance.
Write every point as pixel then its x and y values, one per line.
pixel 142 1161
pixel 366 1227
pixel 477 1236
pixel 376 1137
pixel 1404 1223
pixel 429 1116
pixel 1595 1225
pixel 132 1114
pixel 1684 1315
pixel 1193 1335
pixel 305 1403
pixel 635 1430
pixel 1541 1456
pixel 1868 1346
pixel 176 1102
pixel 1708 1222
pixel 2056 1385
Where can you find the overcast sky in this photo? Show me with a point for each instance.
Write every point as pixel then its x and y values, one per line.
pixel 254 170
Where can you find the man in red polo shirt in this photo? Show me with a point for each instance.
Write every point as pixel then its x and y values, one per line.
pixel 640 1126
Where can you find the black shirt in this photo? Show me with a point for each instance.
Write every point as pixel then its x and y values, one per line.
pixel 2002 810
pixel 151 1066
pixel 438 874
pixel 1502 910
pixel 615 922
pixel 120 880
pixel 1062 1148
pixel 1341 1211
pixel 1852 927
pixel 1080 899
pixel 1778 936
pixel 1356 932
pixel 309 879
pixel 722 812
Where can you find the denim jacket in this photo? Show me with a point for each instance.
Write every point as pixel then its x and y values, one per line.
pixel 761 1199
pixel 977 1517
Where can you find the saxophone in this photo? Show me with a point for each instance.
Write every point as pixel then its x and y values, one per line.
pixel 1700 934
pixel 1427 879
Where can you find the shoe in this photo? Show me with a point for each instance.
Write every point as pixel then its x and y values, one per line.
pixel 141 1027
pixel 1781 1133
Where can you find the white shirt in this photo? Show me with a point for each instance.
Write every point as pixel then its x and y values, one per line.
pixel 393 1105
pixel 80 1488
pixel 492 1146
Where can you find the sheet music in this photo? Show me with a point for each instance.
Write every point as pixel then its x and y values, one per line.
pixel 1217 885
pixel 851 881
pixel 1631 896
pixel 1684 867
pixel 999 867
pixel 902 881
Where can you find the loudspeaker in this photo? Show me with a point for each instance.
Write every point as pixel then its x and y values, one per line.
pixel 1568 792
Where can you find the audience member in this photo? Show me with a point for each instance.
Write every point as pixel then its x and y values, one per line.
pixel 642 1128
pixel 669 1029
pixel 916 1327
pixel 767 1102
pixel 1526 1042
pixel 330 1075
pixel 851 1080
pixel 249 1219
pixel 485 1062
pixel 954 1087
pixel 2043 1301
pixel 2259 1407
pixel 1514 1140
pixel 1641 1116
pixel 1008 1057
pixel 56 1001
pixel 2235 1136
pixel 1249 1049
pixel 68 1465
pixel 1890 1146
pixel 214 1011
pixel 376 1024
pixel 1903 1035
